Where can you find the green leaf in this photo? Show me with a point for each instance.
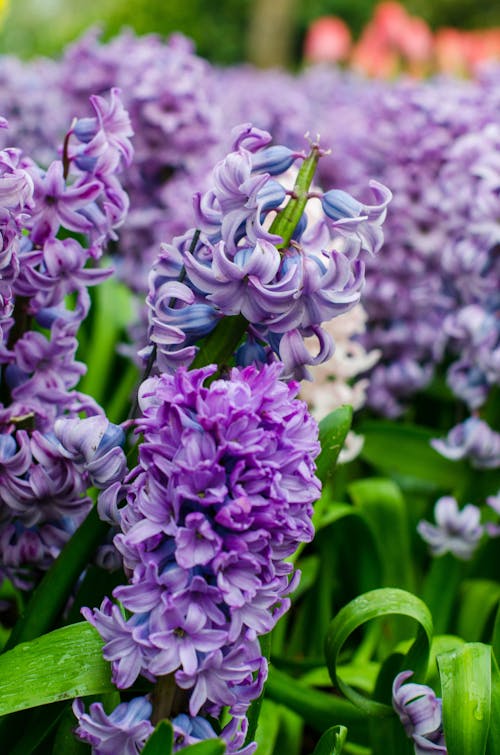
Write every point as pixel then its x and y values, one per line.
pixel 219 346
pixel 267 730
pixel 495 640
pixel 111 312
pixel 442 643
pixel 290 735
pixel 40 722
pixel 64 664
pixel 384 508
pixel 493 747
pixel 161 740
pixel 332 742
pixel 466 691
pixel 373 605
pixel 332 433
pixel 318 709
pixel 65 740
pixel 405 450
pixel 255 707
pixel 209 747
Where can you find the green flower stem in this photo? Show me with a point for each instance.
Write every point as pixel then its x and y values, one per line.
pixel 286 221
pixel 50 597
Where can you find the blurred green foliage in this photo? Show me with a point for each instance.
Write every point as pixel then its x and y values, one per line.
pixel 218 27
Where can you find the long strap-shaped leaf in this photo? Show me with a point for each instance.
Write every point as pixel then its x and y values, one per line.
pixel 373 605
pixel 61 665
pixel 466 688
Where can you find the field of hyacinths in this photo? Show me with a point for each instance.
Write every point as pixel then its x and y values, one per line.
pixel 250 486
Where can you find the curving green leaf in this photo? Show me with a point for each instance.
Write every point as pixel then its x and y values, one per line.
pixel 161 740
pixel 332 742
pixel 64 664
pixel 466 691
pixel 374 605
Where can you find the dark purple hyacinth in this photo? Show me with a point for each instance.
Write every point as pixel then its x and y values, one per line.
pixel 221 497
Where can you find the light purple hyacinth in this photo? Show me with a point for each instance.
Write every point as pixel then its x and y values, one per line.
pixel 222 495
pixel 419 711
pixel 473 440
pixel 234 264
pixel 456 531
pixel 124 731
pixel 94 446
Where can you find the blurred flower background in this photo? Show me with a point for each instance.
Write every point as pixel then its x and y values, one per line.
pixel 224 31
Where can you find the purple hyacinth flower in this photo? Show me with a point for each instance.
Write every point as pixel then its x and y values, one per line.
pixel 16 184
pixel 94 445
pixel 58 204
pixel 106 137
pixel 456 531
pixel 473 440
pixel 188 730
pixel 124 731
pixel 221 496
pixel 419 711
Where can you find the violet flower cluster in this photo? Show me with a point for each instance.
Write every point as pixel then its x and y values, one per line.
pixel 128 727
pixel 233 263
pixel 221 496
pixel 420 712
pixel 432 295
pixel 43 484
pixel 169 93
